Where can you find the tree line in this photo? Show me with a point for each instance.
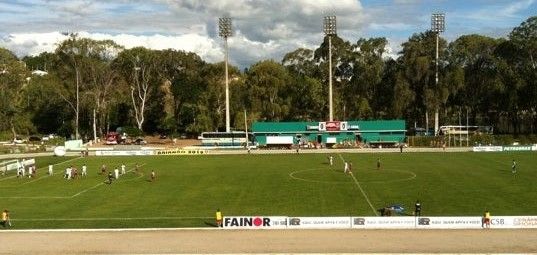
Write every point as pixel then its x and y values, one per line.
pixel 93 86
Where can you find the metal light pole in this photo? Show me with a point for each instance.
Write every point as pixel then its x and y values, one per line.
pixel 329 29
pixel 438 25
pixel 224 25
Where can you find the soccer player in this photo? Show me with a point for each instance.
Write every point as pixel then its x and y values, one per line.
pixel 116 173
pixel 417 210
pixel 218 218
pixel 110 177
pixel 67 173
pixel 486 220
pixel 50 170
pixel 378 163
pixel 5 218
pixel 331 160
pixel 84 170
pixel 74 173
pixel 513 167
pixel 346 167
pixel 153 176
pixel 123 169
pixel 103 169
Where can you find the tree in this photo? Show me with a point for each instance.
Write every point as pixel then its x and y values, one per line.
pixel 138 68
pixel 417 68
pixel 14 78
pixel 268 84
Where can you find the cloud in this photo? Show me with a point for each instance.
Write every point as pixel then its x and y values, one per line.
pixel 262 29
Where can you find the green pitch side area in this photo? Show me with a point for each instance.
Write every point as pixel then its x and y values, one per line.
pixel 188 189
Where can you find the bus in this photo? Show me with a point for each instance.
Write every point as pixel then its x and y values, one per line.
pixel 465 130
pixel 234 139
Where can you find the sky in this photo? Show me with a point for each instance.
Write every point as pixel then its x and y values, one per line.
pixel 262 29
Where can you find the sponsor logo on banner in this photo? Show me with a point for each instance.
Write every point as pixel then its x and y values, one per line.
pixel 320 222
pixel 534 147
pixel 487 148
pixel 449 222
pixel 255 222
pixel 125 153
pixel 332 126
pixel 517 148
pixel 513 222
pixel 180 152
pixel 384 222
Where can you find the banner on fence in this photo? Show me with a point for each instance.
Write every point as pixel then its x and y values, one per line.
pixel 449 222
pixel 319 222
pixel 513 222
pixel 125 153
pixel 400 222
pixel 180 152
pixel 384 222
pixel 487 148
pixel 255 222
pixel 517 148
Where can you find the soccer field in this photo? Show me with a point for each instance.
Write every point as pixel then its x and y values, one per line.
pixel 189 189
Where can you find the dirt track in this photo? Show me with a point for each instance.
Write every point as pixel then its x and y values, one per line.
pixel 271 241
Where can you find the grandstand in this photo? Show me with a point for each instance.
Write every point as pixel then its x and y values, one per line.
pixel 373 133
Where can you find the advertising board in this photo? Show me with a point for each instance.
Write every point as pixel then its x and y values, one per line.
pixel 517 148
pixel 448 222
pixel 319 222
pixel 125 153
pixel 384 222
pixel 255 222
pixel 487 148
pixel 180 152
pixel 513 222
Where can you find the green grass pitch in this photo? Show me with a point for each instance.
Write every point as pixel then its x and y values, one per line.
pixel 189 189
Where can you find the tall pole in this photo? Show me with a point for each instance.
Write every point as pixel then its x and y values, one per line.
pixel 330 103
pixel 436 86
pixel 329 28
pixel 228 129
pixel 437 26
pixel 224 25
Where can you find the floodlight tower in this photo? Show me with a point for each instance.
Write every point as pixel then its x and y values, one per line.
pixel 438 25
pixel 224 25
pixel 329 29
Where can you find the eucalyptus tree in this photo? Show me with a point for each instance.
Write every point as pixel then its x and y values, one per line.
pixel 14 78
pixel 138 68
pixel 268 87
pixel 473 74
pixel 524 39
pixel 417 69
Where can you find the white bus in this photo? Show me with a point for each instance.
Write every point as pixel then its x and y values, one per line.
pixel 224 139
pixel 465 130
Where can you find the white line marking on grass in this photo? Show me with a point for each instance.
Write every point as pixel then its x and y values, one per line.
pixel 73 196
pixel 45 167
pixel 360 187
pixel 292 175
